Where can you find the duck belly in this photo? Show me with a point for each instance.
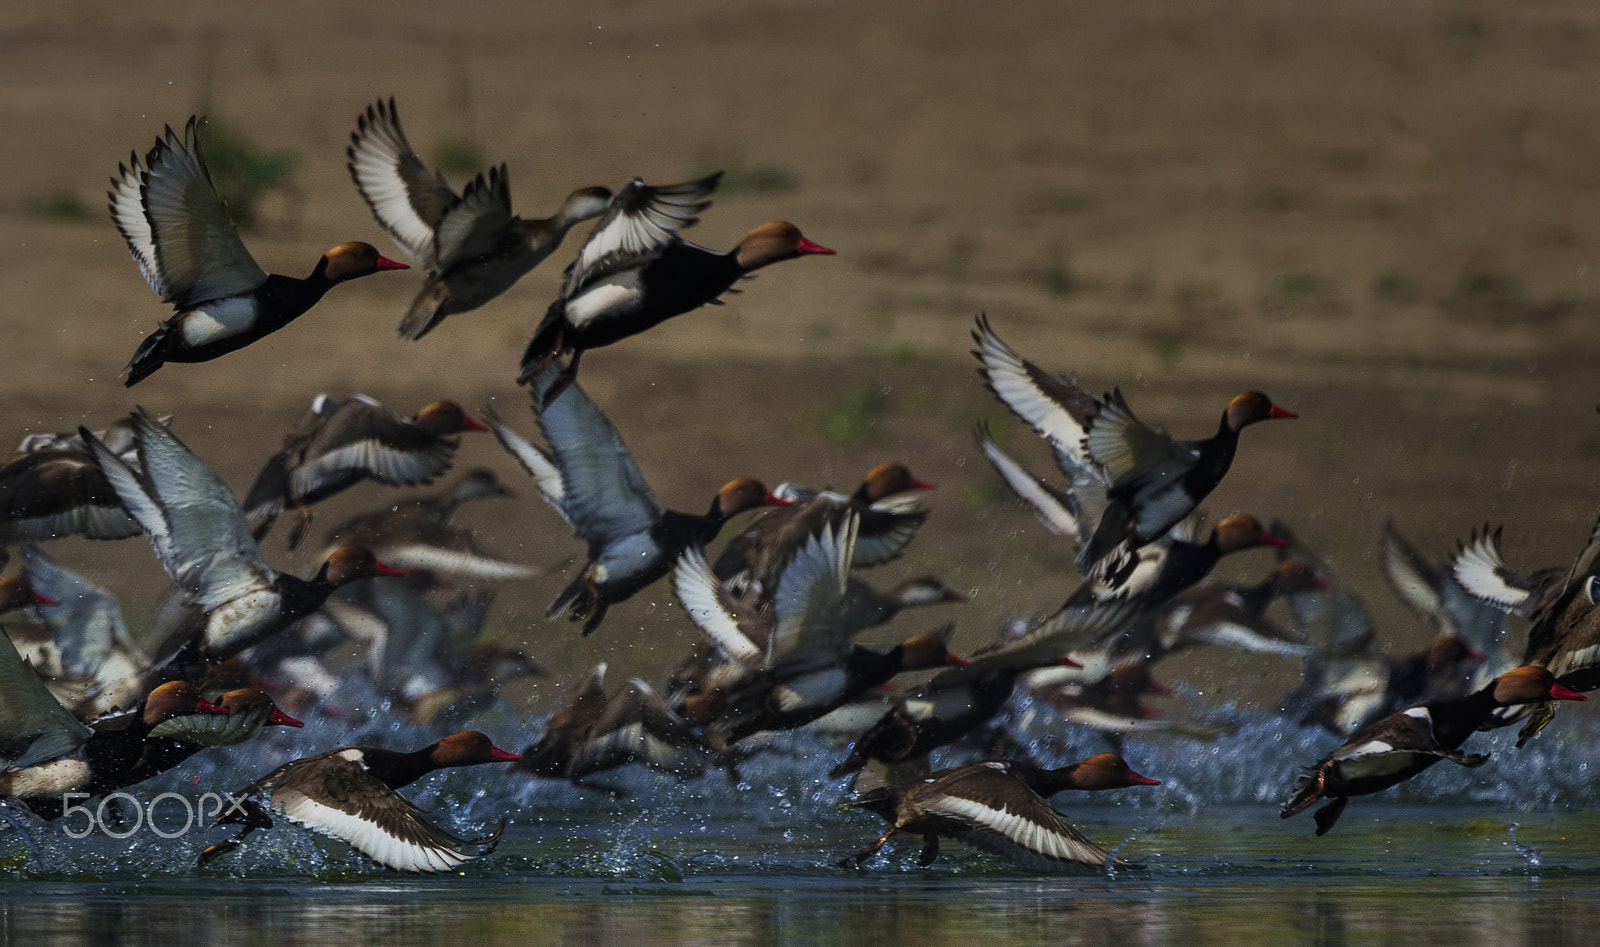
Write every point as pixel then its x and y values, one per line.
pixel 46 780
pixel 238 624
pixel 1375 772
pixel 630 564
pixel 215 321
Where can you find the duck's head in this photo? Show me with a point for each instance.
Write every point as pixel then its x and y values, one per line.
pixel 480 484
pixel 928 651
pixel 352 563
pixel 925 590
pixel 15 592
pixel 1108 771
pixel 176 699
pixel 1445 650
pixel 585 203
pixel 1293 576
pixel 468 748
pixel 774 242
pixel 350 260
pixel 1250 407
pixel 446 417
pixel 701 709
pixel 1243 531
pixel 247 701
pixel 888 479
pixel 1528 685
pixel 742 494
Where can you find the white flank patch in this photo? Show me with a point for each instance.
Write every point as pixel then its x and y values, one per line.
pixel 49 780
pixel 218 320
pixel 600 301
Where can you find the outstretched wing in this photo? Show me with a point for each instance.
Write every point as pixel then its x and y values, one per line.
pixel 604 497
pixel 407 199
pixel 198 530
pixel 641 220
pixel 188 248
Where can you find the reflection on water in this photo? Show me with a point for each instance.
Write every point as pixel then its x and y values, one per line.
pixel 1221 876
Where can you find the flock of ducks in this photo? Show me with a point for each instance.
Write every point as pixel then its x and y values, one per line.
pixel 84 709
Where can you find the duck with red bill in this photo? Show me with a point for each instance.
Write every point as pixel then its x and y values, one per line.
pixel 1394 749
pixel 349 793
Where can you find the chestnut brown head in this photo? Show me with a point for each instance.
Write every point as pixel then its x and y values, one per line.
pixel 1445 650
pixel 249 702
pixel 352 563
pixel 1108 771
pixel 742 494
pixel 468 748
pixel 15 592
pixel 176 699
pixel 773 242
pixel 1528 685
pixel 446 417
pixel 1293 576
pixel 1250 407
pixel 888 479
pixel 350 260
pixel 927 651
pixel 1243 532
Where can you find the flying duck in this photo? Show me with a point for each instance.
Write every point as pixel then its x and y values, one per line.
pixel 190 253
pixel 349 793
pixel 589 478
pixel 635 272
pixel 338 444
pixel 473 246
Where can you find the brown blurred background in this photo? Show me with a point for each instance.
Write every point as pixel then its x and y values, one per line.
pixel 1385 215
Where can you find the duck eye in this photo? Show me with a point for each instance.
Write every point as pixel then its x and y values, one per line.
pixel 1591 589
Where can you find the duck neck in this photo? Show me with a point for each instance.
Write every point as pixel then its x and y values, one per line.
pixel 397 770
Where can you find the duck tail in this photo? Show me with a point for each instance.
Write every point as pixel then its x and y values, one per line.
pixel 153 352
pixel 575 598
pixel 427 311
pixel 545 346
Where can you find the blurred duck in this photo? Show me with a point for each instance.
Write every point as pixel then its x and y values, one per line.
pixel 807 665
pixel 957 701
pixel 51 753
pixel 90 646
pixel 1154 481
pixel 1234 616
pixel 1565 636
pixel 189 252
pixel 635 272
pixel 1156 572
pixel 589 478
pixel 473 246
pixel 990 807
pixel 866 607
pixel 56 489
pixel 1429 590
pixel 200 534
pixel 174 740
pixel 889 513
pixel 593 733
pixel 349 793
pixel 338 444
pixel 419 535
pixel 1400 746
